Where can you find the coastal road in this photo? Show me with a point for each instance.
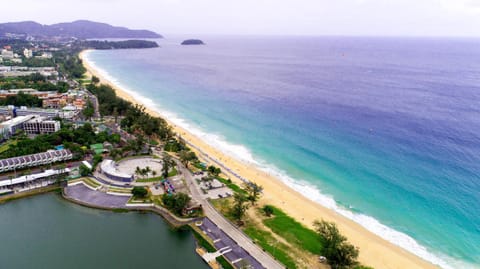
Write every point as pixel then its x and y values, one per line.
pixel 94 101
pixel 240 238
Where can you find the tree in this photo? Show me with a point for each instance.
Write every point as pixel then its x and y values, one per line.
pixel 84 170
pixel 268 210
pixel 115 153
pixel 89 110
pixel 147 170
pixel 139 192
pixel 138 171
pixel 239 207
pixel 338 251
pixel 254 191
pixel 176 202
pixel 215 171
pixel 187 156
pixel 95 80
pixel 97 159
pixel 167 163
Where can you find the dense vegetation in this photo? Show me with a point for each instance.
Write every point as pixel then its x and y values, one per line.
pixel 69 64
pixel 71 138
pixel 82 29
pixel 135 119
pixel 176 202
pixel 126 44
pixel 192 42
pixel 34 81
pixel 21 99
pixel 139 192
pixel 31 62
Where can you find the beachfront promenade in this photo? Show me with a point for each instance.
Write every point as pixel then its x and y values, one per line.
pixel 238 236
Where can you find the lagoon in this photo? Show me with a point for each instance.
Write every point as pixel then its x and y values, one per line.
pixel 48 232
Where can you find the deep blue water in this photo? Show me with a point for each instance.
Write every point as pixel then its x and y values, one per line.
pixel 388 128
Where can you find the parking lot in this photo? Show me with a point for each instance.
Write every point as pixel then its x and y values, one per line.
pixel 221 240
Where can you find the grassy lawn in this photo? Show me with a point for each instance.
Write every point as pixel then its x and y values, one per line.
pixel 199 166
pixel 268 243
pixel 281 236
pixel 234 187
pixel 75 180
pixel 173 172
pixel 151 179
pixel 157 199
pixel 120 190
pixel 7 145
pixel 202 242
pixel 91 182
pixel 293 231
pixel 223 205
pixel 135 200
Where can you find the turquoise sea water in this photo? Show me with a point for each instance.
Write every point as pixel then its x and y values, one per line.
pixel 385 131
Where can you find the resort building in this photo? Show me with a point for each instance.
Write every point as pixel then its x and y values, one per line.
pixel 24 111
pixel 15 124
pixel 109 169
pixel 33 160
pixel 40 125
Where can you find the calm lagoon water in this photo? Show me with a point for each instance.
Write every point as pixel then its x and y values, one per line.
pixel 48 232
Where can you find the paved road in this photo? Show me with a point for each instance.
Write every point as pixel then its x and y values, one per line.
pixel 242 240
pixel 94 101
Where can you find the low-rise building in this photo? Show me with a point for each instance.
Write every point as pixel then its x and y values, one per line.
pixel 23 111
pixel 9 185
pixel 33 160
pixel 79 103
pixel 109 169
pixel 7 54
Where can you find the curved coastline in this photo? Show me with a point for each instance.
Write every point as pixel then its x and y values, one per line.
pixel 296 199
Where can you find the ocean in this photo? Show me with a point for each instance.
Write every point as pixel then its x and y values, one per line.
pixel 385 131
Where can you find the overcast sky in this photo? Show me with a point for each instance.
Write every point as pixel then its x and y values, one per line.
pixel 273 17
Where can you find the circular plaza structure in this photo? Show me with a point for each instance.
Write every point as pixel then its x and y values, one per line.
pixel 124 170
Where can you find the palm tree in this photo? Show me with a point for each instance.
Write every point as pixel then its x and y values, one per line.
pixel 147 170
pixel 143 172
pixel 138 171
pixel 254 191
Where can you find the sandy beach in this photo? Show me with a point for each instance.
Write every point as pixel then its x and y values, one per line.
pixel 374 251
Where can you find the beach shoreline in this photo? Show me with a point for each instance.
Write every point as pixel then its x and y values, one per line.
pixel 374 251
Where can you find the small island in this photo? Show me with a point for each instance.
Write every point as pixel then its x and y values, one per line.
pixel 193 42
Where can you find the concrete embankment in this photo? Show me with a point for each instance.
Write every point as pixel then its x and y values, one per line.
pixel 23 194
